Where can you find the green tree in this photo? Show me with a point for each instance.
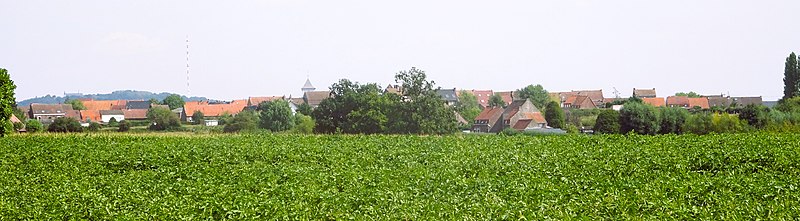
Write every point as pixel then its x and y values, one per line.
pixel 496 101
pixel 276 115
pixel 607 122
pixel 354 108
pixel 639 118
pixel 673 120
pixel 7 102
pixel 536 93
pixel 94 126
pixel 173 101
pixel 64 125
pixel 198 117
pixel 726 123
pixel 789 105
pixel 18 126
pixel 554 115
pixel 303 124
pixel 33 126
pixel 154 101
pixel 123 126
pixel 76 104
pixel 113 122
pixel 421 110
pixel 699 123
pixel 305 109
pixel 468 106
pixel 791 77
pixel 21 115
pixel 691 94
pixel 244 121
pixel 162 119
pixel 755 115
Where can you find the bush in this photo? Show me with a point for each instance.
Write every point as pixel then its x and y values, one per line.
pixel 124 126
pixel 571 129
pixel 18 126
pixel 244 121
pixel 33 126
pixel 162 119
pixel 725 123
pixel 699 124
pixel 672 120
pixel 554 115
pixel 198 117
pixel 607 122
pixel 64 125
pixel 510 132
pixel 94 126
pixel 303 124
pixel 755 115
pixel 639 118
pixel 113 122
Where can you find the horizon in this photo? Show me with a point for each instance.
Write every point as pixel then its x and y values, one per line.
pixel 269 48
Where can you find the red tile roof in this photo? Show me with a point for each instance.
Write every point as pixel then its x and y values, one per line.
pixel 507 96
pixel 104 104
pixel 482 96
pixel 701 102
pixel 488 113
pixel 536 117
pixel 655 101
pixel 135 114
pixel 255 101
pixel 93 115
pixel 522 124
pixel 14 119
pixel 214 110
pixel 678 101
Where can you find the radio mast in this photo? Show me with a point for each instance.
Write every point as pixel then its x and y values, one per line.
pixel 188 89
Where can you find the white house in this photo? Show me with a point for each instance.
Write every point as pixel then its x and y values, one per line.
pixel 106 115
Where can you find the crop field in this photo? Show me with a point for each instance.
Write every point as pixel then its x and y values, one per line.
pixel 263 176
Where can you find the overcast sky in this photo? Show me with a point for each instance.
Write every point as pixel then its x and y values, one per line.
pixel 268 47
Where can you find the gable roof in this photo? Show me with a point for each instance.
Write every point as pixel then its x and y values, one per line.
pixel 482 96
pixel 655 101
pixel 104 104
pixel 137 105
pixel 308 85
pixel 59 109
pixel 74 114
pixel 595 95
pixel 537 117
pixel 489 113
pixel 448 95
pixel 644 92
pixel 297 101
pixel 701 102
pixel 681 101
pixel 255 101
pixel 522 124
pixel 137 114
pixel 507 96
pixel 719 101
pixel 90 115
pixel 744 101
pixel 214 110
pixel 14 119
pixel 394 89
pixel 111 112
pixel 313 98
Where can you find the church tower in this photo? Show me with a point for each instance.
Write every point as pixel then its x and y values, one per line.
pixel 307 86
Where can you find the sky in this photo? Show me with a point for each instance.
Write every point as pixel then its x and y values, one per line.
pixel 244 48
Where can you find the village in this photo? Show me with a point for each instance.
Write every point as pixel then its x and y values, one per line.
pixel 515 113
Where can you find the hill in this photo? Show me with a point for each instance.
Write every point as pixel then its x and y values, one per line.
pixel 116 95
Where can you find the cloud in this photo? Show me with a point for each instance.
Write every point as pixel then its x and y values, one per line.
pixel 127 43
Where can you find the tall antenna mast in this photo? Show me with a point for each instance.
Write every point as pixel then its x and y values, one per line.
pixel 188 89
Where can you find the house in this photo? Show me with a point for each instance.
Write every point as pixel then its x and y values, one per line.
pixel 678 101
pixel 90 116
pixel 718 101
pixel 46 113
pixel 655 101
pixel 644 93
pixel 519 115
pixel 482 96
pixel 701 102
pixel 107 115
pixel 579 102
pixel 296 101
pixel 448 95
pixel 595 95
pixel 394 89
pixel 744 101
pixel 255 101
pixel 724 102
pixel 486 119
pixel 137 105
pixel 508 96
pixel 212 109
pixel 313 98
pixel 135 114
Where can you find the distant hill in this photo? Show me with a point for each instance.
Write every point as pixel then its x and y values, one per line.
pixel 116 95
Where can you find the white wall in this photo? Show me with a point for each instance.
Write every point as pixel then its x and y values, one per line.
pixel 106 118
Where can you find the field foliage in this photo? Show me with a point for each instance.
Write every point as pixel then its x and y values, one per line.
pixel 263 176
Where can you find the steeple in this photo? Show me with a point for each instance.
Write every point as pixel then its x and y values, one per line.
pixel 307 86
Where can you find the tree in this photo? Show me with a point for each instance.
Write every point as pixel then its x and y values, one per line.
pixel 305 109
pixel 755 115
pixel 536 93
pixel 113 122
pixel 162 119
pixel 173 101
pixel 791 77
pixel 123 126
pixel 421 110
pixel 244 121
pixel 76 104
pixel 354 108
pixel 699 123
pixel 639 118
pixel 673 120
pixel 154 101
pixel 198 117
pixel 607 122
pixel 33 126
pixel 496 101
pixel 303 124
pixel 789 105
pixel 726 123
pixel 691 94
pixel 276 115
pixel 64 125
pixel 554 115
pixel 7 102
pixel 94 126
pixel 468 106
pixel 21 115
pixel 18 126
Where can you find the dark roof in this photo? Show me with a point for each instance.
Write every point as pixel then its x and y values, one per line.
pixel 137 105
pixel 489 113
pixel 512 109
pixel 308 85
pixel 719 101
pixel 744 101
pixel 50 108
pixel 111 112
pixel 644 92
pixel 137 114
pixel 448 95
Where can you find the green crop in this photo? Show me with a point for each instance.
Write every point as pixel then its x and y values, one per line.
pixel 101 177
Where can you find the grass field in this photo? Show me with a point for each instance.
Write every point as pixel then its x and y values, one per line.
pixel 99 177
